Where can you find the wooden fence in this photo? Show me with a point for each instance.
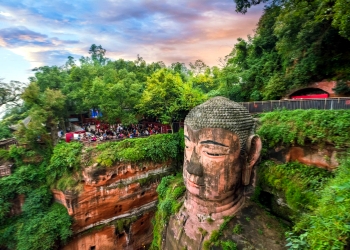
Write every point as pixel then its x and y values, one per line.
pixel 327 103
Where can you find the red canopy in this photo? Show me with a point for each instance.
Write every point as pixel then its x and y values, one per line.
pixel 310 96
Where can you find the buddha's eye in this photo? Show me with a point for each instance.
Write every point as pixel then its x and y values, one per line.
pixel 214 154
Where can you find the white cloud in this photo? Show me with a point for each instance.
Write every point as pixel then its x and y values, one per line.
pixel 6 14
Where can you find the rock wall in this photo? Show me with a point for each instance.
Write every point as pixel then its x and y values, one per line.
pixel 257 230
pixel 112 196
pixel 312 155
pixel 138 237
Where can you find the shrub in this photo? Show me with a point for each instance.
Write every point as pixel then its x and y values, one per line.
pixel 300 184
pixel 64 161
pixel 327 226
pixel 237 229
pixel 168 204
pixel 299 126
pixel 156 148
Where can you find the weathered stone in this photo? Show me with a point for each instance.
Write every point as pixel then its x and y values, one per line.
pixel 221 151
pixel 310 154
pixel 112 194
pixel 136 237
pixel 258 230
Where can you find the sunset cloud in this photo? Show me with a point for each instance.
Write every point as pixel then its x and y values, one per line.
pixel 47 32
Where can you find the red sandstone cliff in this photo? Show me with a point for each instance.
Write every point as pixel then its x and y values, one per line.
pixel 312 155
pixel 115 208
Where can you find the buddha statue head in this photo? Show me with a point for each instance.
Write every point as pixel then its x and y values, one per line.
pixel 220 152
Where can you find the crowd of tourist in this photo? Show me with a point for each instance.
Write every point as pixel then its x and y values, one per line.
pixel 105 132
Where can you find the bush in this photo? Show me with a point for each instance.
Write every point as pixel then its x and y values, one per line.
pixel 45 230
pixel 168 204
pixel 65 160
pixel 298 126
pixel 155 148
pixel 327 227
pixel 300 184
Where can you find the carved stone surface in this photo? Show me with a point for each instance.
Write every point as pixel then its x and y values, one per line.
pixel 220 112
pixel 257 230
pixel 138 237
pixel 220 153
pixel 110 195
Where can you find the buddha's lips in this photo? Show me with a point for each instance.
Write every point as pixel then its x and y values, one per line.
pixel 194 180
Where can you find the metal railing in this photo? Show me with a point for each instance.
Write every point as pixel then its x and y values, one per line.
pixel 326 103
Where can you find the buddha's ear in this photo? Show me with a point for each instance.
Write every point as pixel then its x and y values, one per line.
pixel 254 146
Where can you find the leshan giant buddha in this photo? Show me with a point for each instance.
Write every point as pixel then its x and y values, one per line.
pixel 220 152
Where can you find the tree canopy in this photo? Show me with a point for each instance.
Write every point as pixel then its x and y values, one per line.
pixel 296 43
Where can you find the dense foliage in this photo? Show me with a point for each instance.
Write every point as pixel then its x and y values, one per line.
pixel 327 227
pixel 38 170
pixel 42 223
pixel 318 198
pixel 296 42
pixel 170 191
pixel 300 126
pixel 299 184
pixel 64 166
pixel 155 148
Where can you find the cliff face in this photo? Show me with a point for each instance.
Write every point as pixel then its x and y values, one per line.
pixel 138 236
pixel 312 155
pixel 115 208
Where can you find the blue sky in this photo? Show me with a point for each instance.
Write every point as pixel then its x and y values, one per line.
pixel 37 33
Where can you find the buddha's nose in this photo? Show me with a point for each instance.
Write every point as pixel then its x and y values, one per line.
pixel 194 167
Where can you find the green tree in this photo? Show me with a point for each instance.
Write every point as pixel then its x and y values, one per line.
pixel 115 94
pixel 10 92
pixel 161 96
pixel 296 43
pixel 338 12
pixel 205 81
pixel 49 77
pixel 46 109
pixel 167 97
pixel 98 54
pixel 243 5
pixel 4 131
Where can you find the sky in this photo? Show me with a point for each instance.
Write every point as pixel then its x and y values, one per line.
pixel 37 33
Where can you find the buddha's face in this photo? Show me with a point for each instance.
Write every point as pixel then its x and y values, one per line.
pixel 212 168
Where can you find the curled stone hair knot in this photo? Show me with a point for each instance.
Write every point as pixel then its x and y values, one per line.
pixel 220 112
